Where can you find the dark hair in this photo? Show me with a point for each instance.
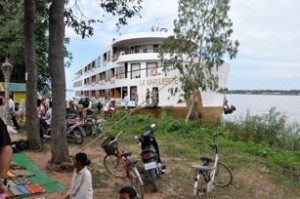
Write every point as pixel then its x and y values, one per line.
pixel 82 158
pixel 38 102
pixel 129 190
pixel 1 101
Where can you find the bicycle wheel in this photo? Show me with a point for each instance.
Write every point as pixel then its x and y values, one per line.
pixel 223 176
pixel 114 166
pixel 136 182
pixel 88 129
pixel 199 186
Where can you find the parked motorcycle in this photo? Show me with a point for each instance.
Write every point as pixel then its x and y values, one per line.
pixel 74 130
pixel 91 126
pixel 151 157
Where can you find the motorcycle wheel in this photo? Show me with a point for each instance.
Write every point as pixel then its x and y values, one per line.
pixel 88 129
pixel 77 136
pixel 153 178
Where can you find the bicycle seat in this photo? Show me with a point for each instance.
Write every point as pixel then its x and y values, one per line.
pixel 131 162
pixel 126 153
pixel 206 158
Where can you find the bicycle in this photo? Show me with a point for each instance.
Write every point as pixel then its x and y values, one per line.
pixel 206 177
pixel 90 125
pixel 119 165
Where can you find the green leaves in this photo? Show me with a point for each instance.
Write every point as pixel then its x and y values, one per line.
pixel 202 39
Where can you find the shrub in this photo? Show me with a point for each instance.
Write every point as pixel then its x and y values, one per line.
pixel 271 128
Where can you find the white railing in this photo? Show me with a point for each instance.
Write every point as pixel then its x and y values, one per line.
pixel 112 80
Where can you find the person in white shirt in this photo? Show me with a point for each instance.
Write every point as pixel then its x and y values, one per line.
pixel 48 115
pixel 81 183
pixel 11 104
pixel 126 101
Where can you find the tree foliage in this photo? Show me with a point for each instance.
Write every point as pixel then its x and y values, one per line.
pixel 123 9
pixel 12 40
pixel 200 43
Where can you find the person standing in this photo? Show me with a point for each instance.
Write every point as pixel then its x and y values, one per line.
pixel 5 157
pixel 126 101
pixel 147 96
pixel 81 183
pixel 99 107
pixel 13 112
pixel 136 100
pixel 80 109
pixel 48 116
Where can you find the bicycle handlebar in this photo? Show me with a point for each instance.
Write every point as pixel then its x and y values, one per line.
pixel 116 138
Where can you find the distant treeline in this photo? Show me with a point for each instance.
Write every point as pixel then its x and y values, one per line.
pixel 265 92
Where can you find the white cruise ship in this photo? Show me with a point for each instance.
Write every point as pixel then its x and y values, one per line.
pixel 131 65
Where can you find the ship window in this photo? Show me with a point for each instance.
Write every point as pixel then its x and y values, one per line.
pixel 155 48
pixel 108 55
pixel 138 49
pixel 99 62
pixel 133 92
pixel 147 48
pixel 135 71
pixel 120 72
pixel 151 69
pixel 104 57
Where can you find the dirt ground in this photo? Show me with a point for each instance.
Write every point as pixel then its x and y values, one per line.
pixel 175 184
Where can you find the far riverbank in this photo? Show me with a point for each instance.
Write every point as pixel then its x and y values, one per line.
pixel 261 104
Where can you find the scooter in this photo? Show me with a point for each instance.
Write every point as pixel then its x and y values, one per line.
pixel 74 130
pixel 151 157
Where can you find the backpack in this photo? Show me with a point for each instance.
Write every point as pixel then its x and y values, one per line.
pixel 19 145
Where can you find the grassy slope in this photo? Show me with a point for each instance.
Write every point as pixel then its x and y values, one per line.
pixel 259 171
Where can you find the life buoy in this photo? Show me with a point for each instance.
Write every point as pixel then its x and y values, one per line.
pixel 154 71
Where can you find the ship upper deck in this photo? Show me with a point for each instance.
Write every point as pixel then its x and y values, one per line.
pixel 140 38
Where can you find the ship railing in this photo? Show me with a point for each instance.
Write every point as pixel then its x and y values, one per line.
pixel 113 80
pixel 118 101
pixel 102 82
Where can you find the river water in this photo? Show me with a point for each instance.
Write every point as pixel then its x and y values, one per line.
pixel 260 104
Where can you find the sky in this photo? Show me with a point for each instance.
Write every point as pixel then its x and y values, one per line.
pixel 268 32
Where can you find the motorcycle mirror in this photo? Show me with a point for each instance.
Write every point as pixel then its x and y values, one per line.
pixel 152 125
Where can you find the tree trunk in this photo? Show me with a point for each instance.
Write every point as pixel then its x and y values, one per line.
pixel 32 123
pixel 191 108
pixel 59 147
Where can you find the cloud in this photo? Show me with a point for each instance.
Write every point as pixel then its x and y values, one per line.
pixel 268 32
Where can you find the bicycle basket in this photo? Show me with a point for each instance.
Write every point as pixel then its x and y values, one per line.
pixel 109 147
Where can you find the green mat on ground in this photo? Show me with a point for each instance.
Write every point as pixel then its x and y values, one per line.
pixel 39 177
